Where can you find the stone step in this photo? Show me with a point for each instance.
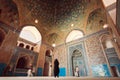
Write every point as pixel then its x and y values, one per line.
pixel 60 78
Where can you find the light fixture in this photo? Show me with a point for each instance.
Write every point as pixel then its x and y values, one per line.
pixel 53 45
pixel 72 24
pixel 36 21
pixel 105 26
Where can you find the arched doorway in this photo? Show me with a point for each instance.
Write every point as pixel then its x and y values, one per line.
pixel 111 54
pixel 22 62
pixel 77 62
pixel 77 58
pixel 76 53
pixel 48 64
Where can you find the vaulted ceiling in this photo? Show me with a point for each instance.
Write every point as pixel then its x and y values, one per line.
pixel 56 18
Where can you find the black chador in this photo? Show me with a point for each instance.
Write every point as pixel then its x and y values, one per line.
pixel 56 68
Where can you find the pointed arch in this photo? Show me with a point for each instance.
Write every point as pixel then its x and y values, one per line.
pixel 110 53
pixel 106 41
pixel 31 37
pixel 74 35
pixel 34 34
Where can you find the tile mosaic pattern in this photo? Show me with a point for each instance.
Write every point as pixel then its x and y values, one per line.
pixel 100 70
pixel 95 53
pixel 56 16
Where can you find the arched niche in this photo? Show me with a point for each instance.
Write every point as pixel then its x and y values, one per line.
pixel 24 62
pixel 9 14
pixel 111 54
pixel 76 56
pixel 96 19
pixel 106 41
pixel 21 45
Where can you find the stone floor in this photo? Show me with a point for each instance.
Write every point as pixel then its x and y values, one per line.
pixel 60 78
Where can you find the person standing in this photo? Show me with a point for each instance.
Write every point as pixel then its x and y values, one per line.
pixel 56 68
pixel 29 73
pixel 76 71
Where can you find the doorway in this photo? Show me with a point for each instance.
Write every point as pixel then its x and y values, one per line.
pixel 22 62
pixel 114 71
pixel 77 58
pixel 77 61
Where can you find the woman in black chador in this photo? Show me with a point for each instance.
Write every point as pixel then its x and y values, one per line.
pixel 56 68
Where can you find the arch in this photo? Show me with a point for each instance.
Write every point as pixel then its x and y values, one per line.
pixel 9 8
pixel 96 20
pixel 106 41
pixel 110 53
pixel 76 53
pixel 34 34
pixel 78 62
pixel 21 45
pixel 24 61
pixel 32 48
pixel 77 58
pixel 27 47
pixel 48 53
pixel 74 35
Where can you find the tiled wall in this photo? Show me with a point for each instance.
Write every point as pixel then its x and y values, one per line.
pixel 95 52
pixel 100 70
pixel 2 68
pixel 39 71
pixel 62 71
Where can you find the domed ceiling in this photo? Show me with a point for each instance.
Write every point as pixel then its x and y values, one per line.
pixel 56 18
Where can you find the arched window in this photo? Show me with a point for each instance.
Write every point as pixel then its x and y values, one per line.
pixel 32 48
pixel 21 45
pixel 27 47
pixel 74 35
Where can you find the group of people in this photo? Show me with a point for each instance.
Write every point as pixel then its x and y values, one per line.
pixel 56 69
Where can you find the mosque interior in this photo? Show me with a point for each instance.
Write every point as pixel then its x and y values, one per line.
pixel 82 34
